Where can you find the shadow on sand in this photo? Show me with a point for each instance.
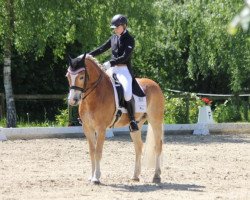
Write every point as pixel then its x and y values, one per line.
pixel 194 139
pixel 154 187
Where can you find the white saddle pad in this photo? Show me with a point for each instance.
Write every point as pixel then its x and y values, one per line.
pixel 140 102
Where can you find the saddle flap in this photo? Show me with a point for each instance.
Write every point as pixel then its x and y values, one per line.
pixel 140 101
pixel 136 89
pixel 138 95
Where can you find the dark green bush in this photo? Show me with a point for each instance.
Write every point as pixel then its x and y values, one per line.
pixel 176 111
pixel 229 112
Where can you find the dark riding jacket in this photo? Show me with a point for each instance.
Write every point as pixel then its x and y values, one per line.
pixel 122 48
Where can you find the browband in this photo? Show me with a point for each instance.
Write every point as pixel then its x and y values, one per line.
pixel 76 72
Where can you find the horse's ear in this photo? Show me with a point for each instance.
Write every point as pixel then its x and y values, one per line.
pixel 69 60
pixel 84 56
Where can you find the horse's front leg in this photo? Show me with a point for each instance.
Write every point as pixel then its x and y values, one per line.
pixel 98 155
pixel 90 135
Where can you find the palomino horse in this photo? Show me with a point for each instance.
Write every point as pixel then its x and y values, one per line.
pixel 91 89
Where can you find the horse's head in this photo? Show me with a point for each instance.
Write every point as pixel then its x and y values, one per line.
pixel 77 76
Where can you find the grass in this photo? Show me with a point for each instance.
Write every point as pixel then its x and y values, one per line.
pixel 22 123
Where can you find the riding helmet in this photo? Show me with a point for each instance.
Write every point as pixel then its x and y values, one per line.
pixel 118 20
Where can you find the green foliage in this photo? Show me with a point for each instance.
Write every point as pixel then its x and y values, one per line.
pixel 228 112
pixel 42 23
pixel 176 110
pixel 35 124
pixel 62 119
pixel 2 122
pixel 180 44
pixel 198 49
pixel 23 123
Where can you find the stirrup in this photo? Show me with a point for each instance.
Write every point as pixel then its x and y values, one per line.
pixel 133 126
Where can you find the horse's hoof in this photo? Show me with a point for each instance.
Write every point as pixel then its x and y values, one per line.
pixel 156 180
pixel 95 181
pixel 135 179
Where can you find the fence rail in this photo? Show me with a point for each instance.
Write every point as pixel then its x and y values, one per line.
pixel 188 96
pixel 39 97
pixel 29 97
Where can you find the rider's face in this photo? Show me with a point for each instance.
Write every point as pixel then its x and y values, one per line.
pixel 118 30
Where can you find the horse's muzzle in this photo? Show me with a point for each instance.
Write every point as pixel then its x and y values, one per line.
pixel 73 102
pixel 74 97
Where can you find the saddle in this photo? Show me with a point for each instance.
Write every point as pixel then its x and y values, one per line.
pixel 139 98
pixel 136 90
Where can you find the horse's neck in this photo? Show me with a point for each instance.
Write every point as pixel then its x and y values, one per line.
pixel 100 103
pixel 104 86
pixel 93 71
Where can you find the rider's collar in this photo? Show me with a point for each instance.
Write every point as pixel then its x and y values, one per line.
pixel 123 33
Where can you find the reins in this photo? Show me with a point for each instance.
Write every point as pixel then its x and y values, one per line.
pixel 92 87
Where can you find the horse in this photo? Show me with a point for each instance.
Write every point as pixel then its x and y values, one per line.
pixel 91 89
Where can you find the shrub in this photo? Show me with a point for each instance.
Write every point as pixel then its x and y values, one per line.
pixel 176 110
pixel 227 112
pixel 62 119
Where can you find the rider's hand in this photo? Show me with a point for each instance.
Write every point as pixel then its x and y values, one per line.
pixel 106 65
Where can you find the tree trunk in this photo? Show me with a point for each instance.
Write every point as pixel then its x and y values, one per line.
pixel 10 103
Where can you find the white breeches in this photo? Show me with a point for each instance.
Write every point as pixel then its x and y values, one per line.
pixel 125 79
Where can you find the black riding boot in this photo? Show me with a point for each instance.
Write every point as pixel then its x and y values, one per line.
pixel 131 114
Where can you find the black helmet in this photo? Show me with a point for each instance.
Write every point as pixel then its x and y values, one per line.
pixel 118 20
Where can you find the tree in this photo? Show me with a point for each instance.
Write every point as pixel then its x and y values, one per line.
pixel 199 53
pixel 41 25
pixel 8 26
pixel 27 25
pixel 242 19
pixel 182 44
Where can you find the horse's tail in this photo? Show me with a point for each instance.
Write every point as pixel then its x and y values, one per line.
pixel 149 157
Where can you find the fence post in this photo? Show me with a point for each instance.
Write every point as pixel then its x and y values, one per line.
pixel 2 108
pixel 187 109
pixel 246 107
pixel 238 101
pixel 73 116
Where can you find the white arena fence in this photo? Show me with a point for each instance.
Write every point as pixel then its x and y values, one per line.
pixel 77 131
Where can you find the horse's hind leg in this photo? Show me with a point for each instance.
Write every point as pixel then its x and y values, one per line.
pixel 158 136
pixel 136 137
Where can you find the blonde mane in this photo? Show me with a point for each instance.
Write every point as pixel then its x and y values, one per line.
pixel 91 58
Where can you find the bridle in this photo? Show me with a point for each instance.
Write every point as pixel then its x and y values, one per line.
pixel 84 89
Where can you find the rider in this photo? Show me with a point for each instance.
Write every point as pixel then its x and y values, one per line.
pixel 122 45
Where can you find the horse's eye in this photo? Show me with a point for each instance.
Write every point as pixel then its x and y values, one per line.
pixel 81 78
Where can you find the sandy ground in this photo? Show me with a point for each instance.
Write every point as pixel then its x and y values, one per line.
pixel 195 167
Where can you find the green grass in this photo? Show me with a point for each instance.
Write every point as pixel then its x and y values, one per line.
pixel 22 123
